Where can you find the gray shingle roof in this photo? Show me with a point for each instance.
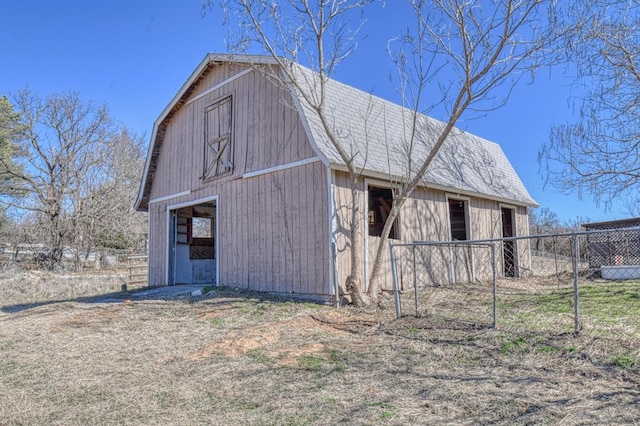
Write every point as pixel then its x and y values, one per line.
pixel 376 132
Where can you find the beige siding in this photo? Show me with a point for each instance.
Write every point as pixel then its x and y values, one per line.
pixel 273 227
pixel 272 232
pixel 486 219
pixel 157 244
pixel 222 72
pixel 424 217
pixel 342 206
pixel 421 218
pixel 266 132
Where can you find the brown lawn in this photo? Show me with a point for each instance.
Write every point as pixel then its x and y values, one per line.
pixel 245 358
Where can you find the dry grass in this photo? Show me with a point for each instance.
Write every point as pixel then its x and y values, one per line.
pixel 247 359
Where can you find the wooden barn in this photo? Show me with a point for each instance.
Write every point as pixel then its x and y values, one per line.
pixel 244 189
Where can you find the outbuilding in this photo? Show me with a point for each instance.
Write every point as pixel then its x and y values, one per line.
pixel 244 189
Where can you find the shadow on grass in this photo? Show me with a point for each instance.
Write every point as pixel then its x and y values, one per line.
pixel 164 293
pixel 147 293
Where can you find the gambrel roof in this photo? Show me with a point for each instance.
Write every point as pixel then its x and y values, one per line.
pixel 377 134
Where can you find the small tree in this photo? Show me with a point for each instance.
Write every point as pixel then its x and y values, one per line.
pixel 108 219
pixel 543 221
pixel 320 36
pixel 483 46
pixel 599 154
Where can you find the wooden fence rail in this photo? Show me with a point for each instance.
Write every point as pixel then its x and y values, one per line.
pixel 138 267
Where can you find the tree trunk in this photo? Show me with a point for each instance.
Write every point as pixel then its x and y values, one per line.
pixel 375 282
pixel 354 284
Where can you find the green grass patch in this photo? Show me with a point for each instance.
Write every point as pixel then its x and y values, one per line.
pixel 217 322
pixel 512 345
pixel 613 305
pixel 625 361
pixel 245 405
pixel 259 356
pixel 164 399
pixel 311 362
pixel 412 329
pixel 388 411
pixel 547 349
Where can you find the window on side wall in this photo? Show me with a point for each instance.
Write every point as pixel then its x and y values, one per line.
pixel 380 203
pixel 458 219
pixel 218 158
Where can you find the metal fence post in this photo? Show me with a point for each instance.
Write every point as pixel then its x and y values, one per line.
pixel 495 285
pixel 415 279
pixel 396 290
pixel 576 299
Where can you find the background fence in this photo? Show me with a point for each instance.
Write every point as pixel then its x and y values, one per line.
pixel 27 257
pixel 580 282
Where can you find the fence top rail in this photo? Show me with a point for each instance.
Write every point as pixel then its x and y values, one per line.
pixel 490 241
pixel 487 243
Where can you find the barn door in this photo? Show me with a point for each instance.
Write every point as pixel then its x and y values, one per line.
pixel 508 246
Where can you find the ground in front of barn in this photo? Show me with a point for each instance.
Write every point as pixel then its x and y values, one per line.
pixel 232 357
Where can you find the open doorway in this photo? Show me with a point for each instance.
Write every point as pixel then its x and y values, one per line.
pixel 192 244
pixel 508 246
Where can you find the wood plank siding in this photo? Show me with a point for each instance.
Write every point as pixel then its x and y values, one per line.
pixel 424 217
pixel 273 224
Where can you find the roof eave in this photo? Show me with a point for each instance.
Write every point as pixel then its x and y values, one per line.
pixel 386 177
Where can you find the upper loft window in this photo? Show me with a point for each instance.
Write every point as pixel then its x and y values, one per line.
pixel 217 139
pixel 380 203
pixel 458 219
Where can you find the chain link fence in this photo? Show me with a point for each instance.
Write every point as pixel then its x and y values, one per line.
pixel 581 282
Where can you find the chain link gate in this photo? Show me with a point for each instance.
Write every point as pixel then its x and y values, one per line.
pixel 451 281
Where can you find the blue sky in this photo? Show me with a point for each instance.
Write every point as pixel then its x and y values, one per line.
pixel 134 55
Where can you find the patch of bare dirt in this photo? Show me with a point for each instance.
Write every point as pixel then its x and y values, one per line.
pixel 286 341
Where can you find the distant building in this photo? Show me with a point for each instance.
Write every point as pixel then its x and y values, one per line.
pixel 613 248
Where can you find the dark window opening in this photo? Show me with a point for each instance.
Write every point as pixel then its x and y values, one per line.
pixel 458 219
pixel 507 223
pixel 380 204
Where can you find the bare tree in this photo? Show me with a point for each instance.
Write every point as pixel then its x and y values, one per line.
pixel 320 36
pixel 71 150
pixel 104 216
pixel 481 47
pixel 543 221
pixel 112 222
pixel 599 154
pixel 574 224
